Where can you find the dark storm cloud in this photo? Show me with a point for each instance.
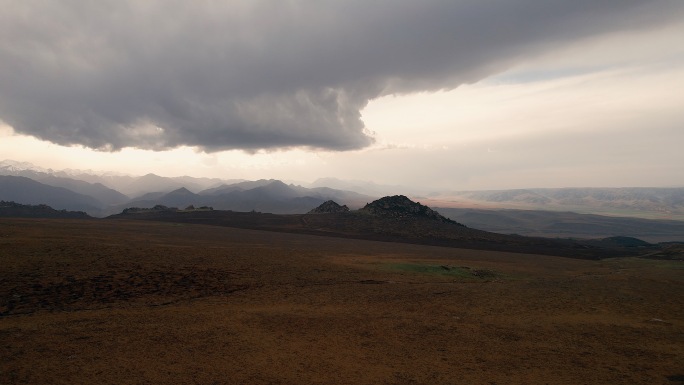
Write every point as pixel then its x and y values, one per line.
pixel 263 74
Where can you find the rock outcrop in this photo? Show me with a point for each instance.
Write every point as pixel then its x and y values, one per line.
pixel 329 207
pixel 399 206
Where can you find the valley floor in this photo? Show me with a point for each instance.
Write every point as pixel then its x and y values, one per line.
pixel 132 302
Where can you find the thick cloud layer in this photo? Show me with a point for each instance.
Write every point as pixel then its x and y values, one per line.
pixel 255 74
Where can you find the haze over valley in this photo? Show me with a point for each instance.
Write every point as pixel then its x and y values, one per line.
pixel 651 214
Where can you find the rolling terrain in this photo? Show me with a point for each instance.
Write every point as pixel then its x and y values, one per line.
pixel 539 223
pixel 117 301
pixel 97 195
pixel 392 219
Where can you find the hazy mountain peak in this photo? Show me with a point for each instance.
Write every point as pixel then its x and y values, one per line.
pixel 13 165
pixel 181 191
pixel 277 182
pixel 275 188
pixel 151 175
pixel 17 166
pixel 366 187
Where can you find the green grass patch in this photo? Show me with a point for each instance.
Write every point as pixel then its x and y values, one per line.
pixel 443 270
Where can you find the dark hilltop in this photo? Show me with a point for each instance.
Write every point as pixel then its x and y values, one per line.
pixel 329 206
pixel 401 207
pixel 17 210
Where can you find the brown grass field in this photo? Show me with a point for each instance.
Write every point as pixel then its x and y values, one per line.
pixel 132 302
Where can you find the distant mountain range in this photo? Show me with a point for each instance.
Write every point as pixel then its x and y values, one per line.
pixel 272 196
pixel 26 184
pixel 100 195
pixel 125 185
pixel 23 190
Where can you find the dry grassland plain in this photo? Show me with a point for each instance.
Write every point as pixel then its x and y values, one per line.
pixel 122 302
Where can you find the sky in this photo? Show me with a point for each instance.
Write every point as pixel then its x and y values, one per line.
pixel 458 94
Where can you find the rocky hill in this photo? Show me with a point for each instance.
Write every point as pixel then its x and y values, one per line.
pixel 401 207
pixel 329 207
